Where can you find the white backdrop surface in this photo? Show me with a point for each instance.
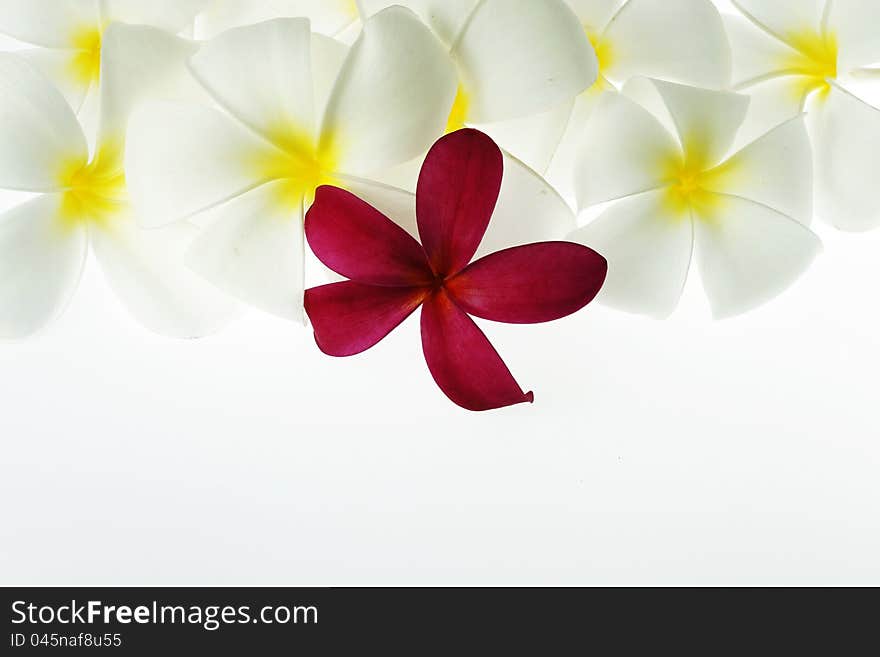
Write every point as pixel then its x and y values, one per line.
pixel 679 452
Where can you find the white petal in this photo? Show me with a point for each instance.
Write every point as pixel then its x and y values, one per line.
pixel 749 254
pixel 776 171
pixel 39 132
pixel 678 40
pixel 784 17
pixel 252 249
pixel 393 96
pixel 404 176
pixel 520 57
pixel 40 266
pixel 327 16
pixel 7 43
pixel 560 172
pixel 328 56
pixel 89 116
pixel 140 63
pixel 846 136
pixel 182 158
pixel 262 75
pixel 772 102
pixel 528 210
pixel 48 23
pixel 397 204
pixel 348 35
pixel 645 93
pixel 756 54
pixel 55 64
pixel 855 24
pixel 170 15
pixel 623 150
pixel 595 15
pixel 648 248
pixel 445 17
pixel 707 121
pixel 146 271
pixel 533 139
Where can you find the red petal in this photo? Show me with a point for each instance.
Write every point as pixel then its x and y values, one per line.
pixel 349 318
pixel 457 191
pixel 530 284
pixel 357 241
pixel 463 362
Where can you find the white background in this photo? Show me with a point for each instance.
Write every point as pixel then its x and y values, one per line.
pixel 677 452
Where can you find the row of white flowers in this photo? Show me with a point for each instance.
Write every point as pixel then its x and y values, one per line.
pixel 184 139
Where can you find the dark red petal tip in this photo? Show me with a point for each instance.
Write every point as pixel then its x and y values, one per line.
pixel 349 318
pixel 462 360
pixel 530 284
pixel 357 241
pixel 457 191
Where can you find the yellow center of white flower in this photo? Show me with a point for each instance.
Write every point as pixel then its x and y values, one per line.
pixel 459 113
pixel 93 191
pixel 85 65
pixel 296 160
pixel 690 183
pixel 351 8
pixel 604 55
pixel 815 62
pixel 602 48
pixel 685 192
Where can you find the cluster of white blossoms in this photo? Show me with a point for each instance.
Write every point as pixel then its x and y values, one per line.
pixel 184 140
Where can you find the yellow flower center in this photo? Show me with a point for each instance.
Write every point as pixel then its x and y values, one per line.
pixel 351 8
pixel 94 191
pixel 605 55
pixel 688 183
pixel 691 184
pixel 296 160
pixel 685 190
pixel 602 48
pixel 815 62
pixel 85 67
pixel 459 113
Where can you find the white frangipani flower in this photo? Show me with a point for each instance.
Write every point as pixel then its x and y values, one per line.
pixel 521 64
pixel 514 58
pixel 677 40
pixel 69 34
pixel 662 151
pixel 680 41
pixel 295 111
pixel 802 55
pixel 82 198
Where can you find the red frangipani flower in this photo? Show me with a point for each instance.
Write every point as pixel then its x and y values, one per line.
pixel 391 274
